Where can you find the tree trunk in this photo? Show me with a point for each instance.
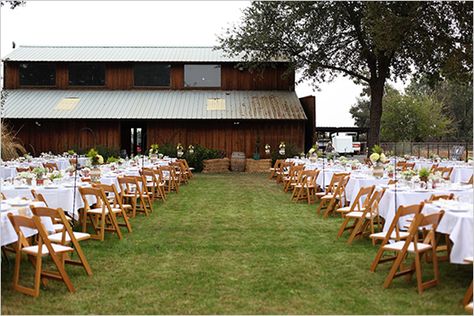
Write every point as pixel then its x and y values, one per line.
pixel 376 96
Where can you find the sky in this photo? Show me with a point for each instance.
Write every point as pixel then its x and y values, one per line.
pixel 152 23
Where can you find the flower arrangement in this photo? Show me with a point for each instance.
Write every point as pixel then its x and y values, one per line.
pixel 86 171
pixel 191 149
pixel 267 149
pixel 71 152
pixel 112 159
pixel 377 155
pixel 390 170
pixel 39 172
pixel 281 148
pixel 312 151
pixel 26 175
pixel 408 174
pixel 406 157
pixel 343 160
pixel 154 149
pixel 55 175
pixel 95 158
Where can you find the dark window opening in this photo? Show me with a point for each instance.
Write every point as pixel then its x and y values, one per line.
pixel 86 74
pixel 37 74
pixel 202 76
pixel 151 75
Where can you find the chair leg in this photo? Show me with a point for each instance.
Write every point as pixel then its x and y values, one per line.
pixel 343 227
pixel 419 274
pixel 468 296
pixel 393 270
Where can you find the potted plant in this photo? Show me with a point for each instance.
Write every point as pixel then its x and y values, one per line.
pixel 27 176
pixel 408 174
pixel 55 176
pixel 39 172
pixel 424 173
pixel 378 158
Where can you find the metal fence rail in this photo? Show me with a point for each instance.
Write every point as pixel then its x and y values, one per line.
pixel 427 149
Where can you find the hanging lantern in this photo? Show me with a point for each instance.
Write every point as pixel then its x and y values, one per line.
pixel 282 148
pixel 179 150
pixel 191 149
pixel 267 149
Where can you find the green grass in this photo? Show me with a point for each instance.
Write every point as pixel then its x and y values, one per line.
pixel 235 244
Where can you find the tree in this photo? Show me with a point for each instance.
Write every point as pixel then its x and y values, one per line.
pixel 413 118
pixel 13 4
pixel 368 41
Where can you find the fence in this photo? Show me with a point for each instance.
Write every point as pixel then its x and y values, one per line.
pixel 427 149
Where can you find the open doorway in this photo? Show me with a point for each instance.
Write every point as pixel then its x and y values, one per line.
pixel 133 137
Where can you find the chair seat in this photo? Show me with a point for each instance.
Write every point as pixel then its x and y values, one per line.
pixel 358 214
pixel 397 246
pixel 382 235
pixel 126 206
pixel 99 210
pixel 57 238
pixel 347 209
pixel 327 196
pixel 33 250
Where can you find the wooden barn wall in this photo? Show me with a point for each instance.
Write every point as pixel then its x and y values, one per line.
pixel 119 76
pixel 226 135
pixel 309 106
pixel 60 135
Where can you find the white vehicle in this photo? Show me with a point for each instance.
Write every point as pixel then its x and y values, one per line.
pixel 342 144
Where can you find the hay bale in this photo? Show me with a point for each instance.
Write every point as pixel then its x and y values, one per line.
pixel 216 165
pixel 258 166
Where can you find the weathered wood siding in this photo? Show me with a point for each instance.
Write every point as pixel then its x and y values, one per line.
pixel 119 76
pixel 60 135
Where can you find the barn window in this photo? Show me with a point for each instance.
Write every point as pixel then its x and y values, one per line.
pixel 37 74
pixel 202 76
pixel 151 75
pixel 86 74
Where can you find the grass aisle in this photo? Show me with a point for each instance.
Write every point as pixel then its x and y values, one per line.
pixel 235 244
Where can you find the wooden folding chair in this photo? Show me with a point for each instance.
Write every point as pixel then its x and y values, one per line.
pixel 292 176
pixel 328 190
pixel 170 178
pixel 358 206
pixel 150 188
pixel 66 236
pixel 445 172
pixel 338 199
pixel 409 166
pixel 283 171
pixel 433 167
pixel 2 196
pixel 471 180
pixel 131 192
pixel 364 220
pixel 418 248
pixel 394 232
pixel 189 170
pixel 22 169
pixel 38 197
pixel 50 166
pixel 101 215
pixel 116 203
pixel 161 192
pixel 36 253
pixel 275 168
pixel 306 186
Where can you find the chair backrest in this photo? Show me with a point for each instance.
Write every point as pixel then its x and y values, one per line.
pixel 294 171
pixel 392 181
pixel 433 167
pixel 17 222
pixel 436 197
pixel 403 210
pixel 428 223
pixel 310 177
pixel 22 169
pixel 341 188
pixel 409 166
pixel 277 164
pixel 471 180
pixel 50 166
pixel 99 194
pixel 364 193
pixel 2 196
pixel 58 216
pixel 372 205
pixel 38 197
pixel 128 184
pixel 335 179
pixel 111 191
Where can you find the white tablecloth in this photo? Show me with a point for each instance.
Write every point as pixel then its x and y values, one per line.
pixel 56 198
pixel 459 227
pixel 392 200
pixel 7 172
pixel 357 181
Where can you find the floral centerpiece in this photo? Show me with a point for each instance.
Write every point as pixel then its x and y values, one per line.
pixel 312 153
pixel 281 148
pixel 378 159
pixel 154 149
pixel 390 170
pixel 408 174
pixel 55 176
pixel 355 164
pixel 71 169
pixel 96 160
pixel 28 176
pixel 343 160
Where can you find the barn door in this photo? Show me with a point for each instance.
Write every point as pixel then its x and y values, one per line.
pixel 133 138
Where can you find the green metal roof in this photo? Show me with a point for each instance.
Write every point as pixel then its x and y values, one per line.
pixel 144 104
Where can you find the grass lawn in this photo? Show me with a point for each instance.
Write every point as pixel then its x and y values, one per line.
pixel 235 244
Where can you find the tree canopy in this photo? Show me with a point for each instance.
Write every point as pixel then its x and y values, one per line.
pixel 368 41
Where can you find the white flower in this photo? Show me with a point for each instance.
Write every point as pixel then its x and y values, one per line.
pixel 374 157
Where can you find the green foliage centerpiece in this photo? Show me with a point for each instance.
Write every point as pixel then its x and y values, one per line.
pixel 378 158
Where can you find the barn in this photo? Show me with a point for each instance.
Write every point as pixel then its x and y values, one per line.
pixel 124 98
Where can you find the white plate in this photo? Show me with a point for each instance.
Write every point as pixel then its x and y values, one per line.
pixel 51 187
pixel 26 203
pixel 22 187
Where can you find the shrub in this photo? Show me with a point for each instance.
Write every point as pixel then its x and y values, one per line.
pixel 107 152
pixel 201 153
